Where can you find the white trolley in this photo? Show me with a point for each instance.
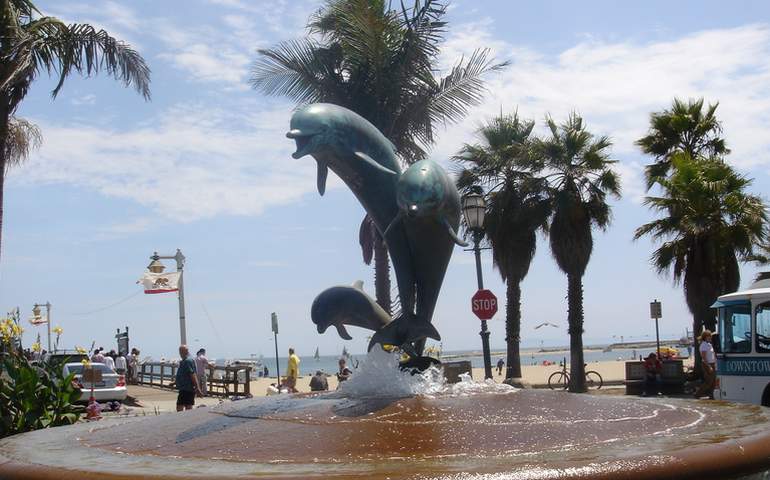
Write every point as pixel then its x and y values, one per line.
pixel 743 344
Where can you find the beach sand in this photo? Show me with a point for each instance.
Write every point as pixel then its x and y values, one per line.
pixel 157 400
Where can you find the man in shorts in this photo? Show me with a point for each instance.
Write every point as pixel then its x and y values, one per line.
pixel 186 381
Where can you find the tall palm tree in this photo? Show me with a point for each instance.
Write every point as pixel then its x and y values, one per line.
pixel 380 63
pixel 30 44
pixel 517 207
pixel 580 175
pixel 708 224
pixel 684 128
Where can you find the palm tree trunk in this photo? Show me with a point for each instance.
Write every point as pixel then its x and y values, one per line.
pixel 701 319
pixel 4 120
pixel 577 380
pixel 513 328
pixel 382 273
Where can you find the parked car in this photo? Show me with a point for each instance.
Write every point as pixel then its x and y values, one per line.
pixel 61 356
pixel 112 387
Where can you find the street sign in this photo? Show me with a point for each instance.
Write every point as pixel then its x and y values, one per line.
pixel 484 304
pixel 274 319
pixel 656 310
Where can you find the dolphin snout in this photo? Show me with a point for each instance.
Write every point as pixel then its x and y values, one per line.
pixel 294 133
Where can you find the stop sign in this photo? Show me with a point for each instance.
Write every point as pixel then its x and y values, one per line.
pixel 484 304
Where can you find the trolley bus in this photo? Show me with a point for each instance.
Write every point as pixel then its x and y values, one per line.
pixel 743 344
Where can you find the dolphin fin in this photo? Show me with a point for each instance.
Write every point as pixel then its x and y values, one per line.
pixel 343 332
pixel 451 232
pixel 366 158
pixel 323 172
pixel 359 285
pixel 399 216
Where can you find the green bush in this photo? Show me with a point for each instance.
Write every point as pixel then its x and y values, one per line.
pixel 34 396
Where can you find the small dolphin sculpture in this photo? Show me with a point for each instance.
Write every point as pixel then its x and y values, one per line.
pixel 344 305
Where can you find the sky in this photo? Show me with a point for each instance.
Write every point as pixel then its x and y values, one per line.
pixel 205 167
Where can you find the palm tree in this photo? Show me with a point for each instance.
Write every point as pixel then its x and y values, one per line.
pixel 380 63
pixel 580 175
pixel 31 43
pixel 685 128
pixel 517 207
pixel 708 224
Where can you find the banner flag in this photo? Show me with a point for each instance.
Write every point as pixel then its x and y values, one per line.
pixel 160 282
pixel 41 320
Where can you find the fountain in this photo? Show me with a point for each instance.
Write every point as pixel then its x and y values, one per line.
pixel 386 422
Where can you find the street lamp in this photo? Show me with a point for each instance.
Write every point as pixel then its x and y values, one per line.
pixel 474 209
pixel 36 316
pixel 156 266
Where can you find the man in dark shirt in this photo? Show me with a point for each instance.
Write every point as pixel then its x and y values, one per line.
pixel 319 383
pixel 186 381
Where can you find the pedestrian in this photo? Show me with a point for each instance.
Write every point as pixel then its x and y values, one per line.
pixel 709 361
pixel 133 365
pixel 344 372
pixel 109 360
pixel 120 364
pixel 202 366
pixel 292 371
pixel 319 383
pixel 500 365
pixel 265 372
pixel 97 357
pixel 186 381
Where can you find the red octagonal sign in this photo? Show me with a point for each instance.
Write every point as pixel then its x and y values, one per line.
pixel 484 304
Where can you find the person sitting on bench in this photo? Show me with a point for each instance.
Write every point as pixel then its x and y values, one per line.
pixel 652 368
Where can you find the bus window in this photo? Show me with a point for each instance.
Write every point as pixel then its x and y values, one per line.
pixel 763 328
pixel 735 328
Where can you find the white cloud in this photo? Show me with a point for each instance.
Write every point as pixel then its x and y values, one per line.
pixel 190 162
pixel 615 86
pixel 88 99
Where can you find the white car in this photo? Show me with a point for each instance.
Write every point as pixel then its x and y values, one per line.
pixel 112 387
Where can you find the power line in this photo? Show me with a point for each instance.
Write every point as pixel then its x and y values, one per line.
pixel 91 312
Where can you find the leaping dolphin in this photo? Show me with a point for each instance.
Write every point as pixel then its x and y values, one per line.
pixel 429 210
pixel 343 305
pixel 353 148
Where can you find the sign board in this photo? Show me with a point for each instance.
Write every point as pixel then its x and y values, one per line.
pixel 92 375
pixel 274 320
pixel 122 339
pixel 656 310
pixel 484 304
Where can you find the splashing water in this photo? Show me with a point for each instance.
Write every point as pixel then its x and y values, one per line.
pixel 380 376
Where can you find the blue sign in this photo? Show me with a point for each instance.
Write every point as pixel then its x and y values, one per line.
pixel 745 366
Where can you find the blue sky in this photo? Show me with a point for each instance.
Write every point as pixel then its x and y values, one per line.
pixel 205 167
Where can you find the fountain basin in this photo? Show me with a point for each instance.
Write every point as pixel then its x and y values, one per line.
pixel 526 434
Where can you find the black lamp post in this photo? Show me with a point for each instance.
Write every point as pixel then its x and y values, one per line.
pixel 474 209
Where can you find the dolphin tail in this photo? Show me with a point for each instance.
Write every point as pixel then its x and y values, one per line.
pixel 452 233
pixel 405 329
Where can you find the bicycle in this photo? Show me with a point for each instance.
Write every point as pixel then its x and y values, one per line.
pixel 560 379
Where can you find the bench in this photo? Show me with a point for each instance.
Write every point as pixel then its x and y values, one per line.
pixel 672 377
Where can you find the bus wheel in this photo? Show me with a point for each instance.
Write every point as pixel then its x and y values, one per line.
pixel 766 396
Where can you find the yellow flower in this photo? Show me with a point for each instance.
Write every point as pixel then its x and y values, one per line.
pixel 86 362
pixel 58 330
pixel 81 350
pixel 36 347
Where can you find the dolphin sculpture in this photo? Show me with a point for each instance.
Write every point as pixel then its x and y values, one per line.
pixel 353 148
pixel 429 211
pixel 344 305
pixel 417 212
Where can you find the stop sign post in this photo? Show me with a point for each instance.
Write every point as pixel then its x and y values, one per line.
pixel 484 304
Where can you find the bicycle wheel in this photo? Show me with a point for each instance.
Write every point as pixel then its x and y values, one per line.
pixel 558 381
pixel 593 380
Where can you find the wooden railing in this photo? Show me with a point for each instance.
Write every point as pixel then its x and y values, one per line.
pixel 221 381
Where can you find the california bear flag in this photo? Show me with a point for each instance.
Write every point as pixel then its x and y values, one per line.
pixel 160 282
